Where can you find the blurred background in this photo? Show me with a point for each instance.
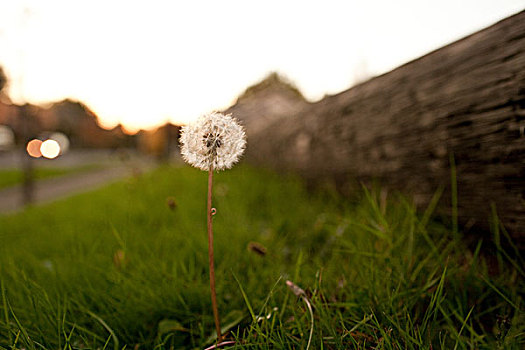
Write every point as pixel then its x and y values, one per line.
pixel 90 82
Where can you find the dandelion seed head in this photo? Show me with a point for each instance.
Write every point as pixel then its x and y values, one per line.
pixel 214 140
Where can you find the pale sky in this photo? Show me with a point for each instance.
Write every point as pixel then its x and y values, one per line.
pixel 142 63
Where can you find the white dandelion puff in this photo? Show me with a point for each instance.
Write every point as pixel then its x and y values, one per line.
pixel 215 141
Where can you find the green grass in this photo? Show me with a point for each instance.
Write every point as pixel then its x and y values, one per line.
pixel 11 177
pixel 117 268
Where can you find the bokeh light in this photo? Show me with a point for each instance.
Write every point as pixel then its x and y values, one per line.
pixel 33 148
pixel 7 137
pixel 63 141
pixel 50 149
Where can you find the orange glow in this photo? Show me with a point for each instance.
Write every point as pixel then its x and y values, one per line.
pixel 51 50
pixel 33 148
pixel 50 149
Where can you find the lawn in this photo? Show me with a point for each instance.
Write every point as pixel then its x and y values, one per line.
pixel 126 267
pixel 11 177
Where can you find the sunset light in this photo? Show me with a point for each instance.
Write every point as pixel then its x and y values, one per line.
pixel 144 63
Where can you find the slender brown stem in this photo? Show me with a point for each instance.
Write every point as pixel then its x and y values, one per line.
pixel 210 255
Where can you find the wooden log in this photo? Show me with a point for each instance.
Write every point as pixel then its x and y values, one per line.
pixel 466 99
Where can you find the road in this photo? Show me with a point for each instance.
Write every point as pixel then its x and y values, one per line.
pixel 112 168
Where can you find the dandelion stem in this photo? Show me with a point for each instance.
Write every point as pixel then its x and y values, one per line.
pixel 210 255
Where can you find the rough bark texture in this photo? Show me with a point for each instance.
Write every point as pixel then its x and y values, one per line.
pixel 466 99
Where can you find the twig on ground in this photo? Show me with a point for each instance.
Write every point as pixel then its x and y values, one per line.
pixel 299 292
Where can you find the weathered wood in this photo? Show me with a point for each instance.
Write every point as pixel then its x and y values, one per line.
pixel 465 99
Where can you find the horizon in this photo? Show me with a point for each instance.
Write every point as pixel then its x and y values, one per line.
pixel 181 61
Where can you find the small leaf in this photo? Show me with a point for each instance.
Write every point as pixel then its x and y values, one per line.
pixel 168 326
pixel 232 319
